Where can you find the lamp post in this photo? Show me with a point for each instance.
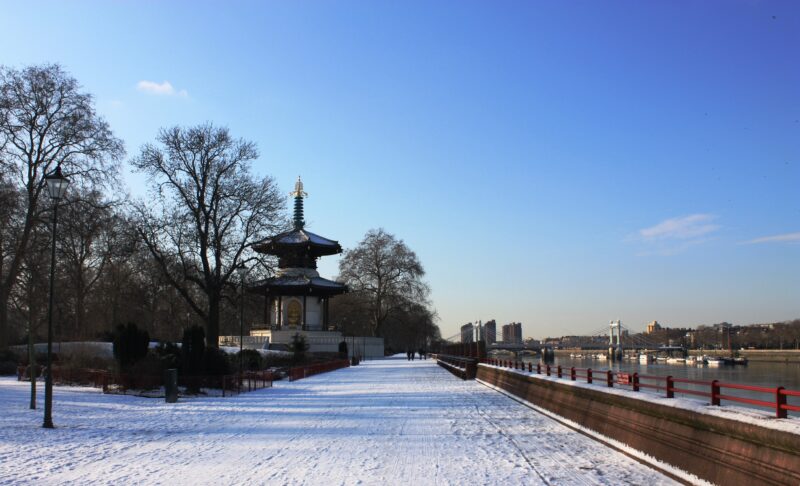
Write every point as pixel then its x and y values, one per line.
pixel 56 187
pixel 241 270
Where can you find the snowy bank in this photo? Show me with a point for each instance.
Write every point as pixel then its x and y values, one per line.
pixel 382 422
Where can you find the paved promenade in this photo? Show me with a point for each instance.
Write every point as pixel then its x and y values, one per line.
pixel 383 422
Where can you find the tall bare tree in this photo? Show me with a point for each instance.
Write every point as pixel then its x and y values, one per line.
pixel 46 121
pixel 386 273
pixel 412 327
pixel 88 240
pixel 205 211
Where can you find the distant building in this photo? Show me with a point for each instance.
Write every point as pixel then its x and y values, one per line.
pixel 490 332
pixel 723 326
pixel 468 333
pixel 653 327
pixel 512 333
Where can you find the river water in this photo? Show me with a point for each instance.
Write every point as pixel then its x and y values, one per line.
pixel 755 373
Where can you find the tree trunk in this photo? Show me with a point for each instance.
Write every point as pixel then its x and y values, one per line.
pixel 212 321
pixel 32 360
pixel 4 297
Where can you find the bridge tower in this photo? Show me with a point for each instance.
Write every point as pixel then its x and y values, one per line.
pixel 615 340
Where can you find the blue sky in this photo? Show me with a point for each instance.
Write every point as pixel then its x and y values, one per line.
pixel 558 164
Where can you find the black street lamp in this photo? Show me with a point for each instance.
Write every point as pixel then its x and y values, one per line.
pixel 56 187
pixel 241 270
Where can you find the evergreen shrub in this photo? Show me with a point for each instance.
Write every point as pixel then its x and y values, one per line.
pixel 251 358
pixel 298 347
pixel 130 344
pixel 216 362
pixel 193 350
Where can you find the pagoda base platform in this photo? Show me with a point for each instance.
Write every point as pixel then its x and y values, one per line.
pixel 318 341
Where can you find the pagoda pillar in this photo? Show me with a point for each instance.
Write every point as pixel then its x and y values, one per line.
pixel 280 312
pixel 304 326
pixel 267 303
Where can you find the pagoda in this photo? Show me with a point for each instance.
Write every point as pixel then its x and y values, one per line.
pixel 296 298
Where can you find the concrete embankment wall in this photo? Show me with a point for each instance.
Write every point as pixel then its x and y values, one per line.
pixel 716 449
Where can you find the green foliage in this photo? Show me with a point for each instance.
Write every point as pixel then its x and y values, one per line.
pixel 8 362
pixel 170 355
pixel 193 350
pixel 80 361
pixel 251 359
pixel 298 347
pixel 130 344
pixel 277 361
pixel 149 366
pixel 216 362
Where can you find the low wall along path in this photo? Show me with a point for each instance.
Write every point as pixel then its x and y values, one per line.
pixel 723 446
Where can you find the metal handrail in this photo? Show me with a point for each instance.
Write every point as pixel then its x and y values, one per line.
pixel 665 383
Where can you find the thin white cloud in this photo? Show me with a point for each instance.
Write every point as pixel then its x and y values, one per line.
pixel 163 89
pixel 785 238
pixel 682 228
pixel 662 248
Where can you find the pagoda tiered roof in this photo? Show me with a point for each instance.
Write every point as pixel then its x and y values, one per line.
pixel 298 239
pixel 297 285
pixel 298 250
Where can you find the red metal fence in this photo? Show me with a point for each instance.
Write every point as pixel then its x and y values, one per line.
pixel 300 372
pixel 228 384
pixel 715 390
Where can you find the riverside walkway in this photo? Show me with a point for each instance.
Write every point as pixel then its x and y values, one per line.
pixel 383 422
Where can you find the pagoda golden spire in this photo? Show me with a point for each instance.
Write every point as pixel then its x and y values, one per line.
pixel 298 189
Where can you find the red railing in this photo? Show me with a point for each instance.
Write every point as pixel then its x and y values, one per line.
pixel 228 384
pixel 300 372
pixel 715 390
pixel 255 380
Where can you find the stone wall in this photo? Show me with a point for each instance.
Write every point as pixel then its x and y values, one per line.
pixel 716 449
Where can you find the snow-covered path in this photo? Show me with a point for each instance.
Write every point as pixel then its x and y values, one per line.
pixel 383 422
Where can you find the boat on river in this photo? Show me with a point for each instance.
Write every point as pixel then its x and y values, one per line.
pixel 718 360
pixel 695 360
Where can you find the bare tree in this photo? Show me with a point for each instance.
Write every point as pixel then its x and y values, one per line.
pixel 412 327
pixel 87 243
pixel 386 273
pixel 205 212
pixel 46 121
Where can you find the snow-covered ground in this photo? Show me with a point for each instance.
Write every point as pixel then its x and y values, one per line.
pixel 384 422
